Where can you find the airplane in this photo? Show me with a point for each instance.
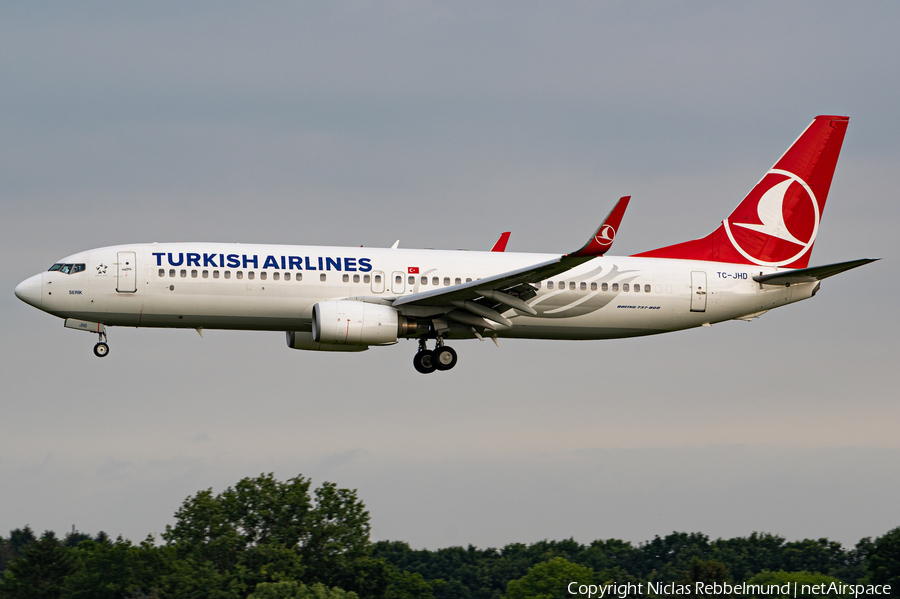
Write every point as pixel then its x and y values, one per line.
pixel 348 299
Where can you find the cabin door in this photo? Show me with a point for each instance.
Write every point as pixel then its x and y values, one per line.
pixel 698 291
pixel 126 273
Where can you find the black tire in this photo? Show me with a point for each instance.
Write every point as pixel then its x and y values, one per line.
pixel 101 350
pixel 424 362
pixel 444 358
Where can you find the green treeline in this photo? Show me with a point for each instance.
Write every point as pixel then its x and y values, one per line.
pixel 267 539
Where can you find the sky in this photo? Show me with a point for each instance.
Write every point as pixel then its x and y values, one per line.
pixel 442 125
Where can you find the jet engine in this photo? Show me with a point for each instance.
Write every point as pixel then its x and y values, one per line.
pixel 304 340
pixel 350 323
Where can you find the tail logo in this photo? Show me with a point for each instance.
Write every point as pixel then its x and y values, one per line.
pixel 606 235
pixel 771 213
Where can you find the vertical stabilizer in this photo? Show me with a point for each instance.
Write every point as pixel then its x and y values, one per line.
pixel 777 223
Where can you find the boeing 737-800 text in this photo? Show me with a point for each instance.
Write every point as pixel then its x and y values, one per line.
pixel 350 299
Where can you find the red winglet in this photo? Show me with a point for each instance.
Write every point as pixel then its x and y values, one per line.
pixel 605 234
pixel 500 246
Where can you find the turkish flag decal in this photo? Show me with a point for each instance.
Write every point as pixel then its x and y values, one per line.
pixel 413 270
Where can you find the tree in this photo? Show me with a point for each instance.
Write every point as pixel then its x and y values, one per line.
pixel 549 580
pixel 40 570
pixel 705 571
pixel 298 590
pixel 264 530
pixel 884 560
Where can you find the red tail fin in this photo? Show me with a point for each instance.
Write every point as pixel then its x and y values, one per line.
pixel 777 223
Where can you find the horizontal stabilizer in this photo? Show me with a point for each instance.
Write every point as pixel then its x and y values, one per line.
pixel 808 275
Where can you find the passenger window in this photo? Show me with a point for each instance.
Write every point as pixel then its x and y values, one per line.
pixel 625 287
pixel 604 287
pixel 346 278
pixel 263 275
pixel 435 281
pixel 287 276
pixel 637 288
pixel 205 274
pixel 227 274
pixel 549 284
pixel 194 273
pixel 458 281
pixel 583 286
pixel 251 274
pixel 323 277
pixel 276 276
pixel 468 280
pixel 298 276
pixel 411 280
pixel 239 275
pixel 356 278
pixel 537 285
pixel 593 286
pixel 398 280
pixel 183 273
pixel 215 274
pixel 423 280
pixel 365 278
pixel 162 272
pixel 446 281
pixel 171 272
pixel 616 287
pixel 561 284
pixel 646 288
pixel 377 279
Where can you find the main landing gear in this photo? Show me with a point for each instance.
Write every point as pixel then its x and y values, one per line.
pixel 101 350
pixel 442 357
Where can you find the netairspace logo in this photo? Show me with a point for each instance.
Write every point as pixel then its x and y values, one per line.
pixel 791 589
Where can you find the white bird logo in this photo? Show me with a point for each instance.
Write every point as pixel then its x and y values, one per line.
pixel 771 213
pixel 606 235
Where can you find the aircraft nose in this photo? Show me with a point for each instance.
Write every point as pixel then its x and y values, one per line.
pixel 29 290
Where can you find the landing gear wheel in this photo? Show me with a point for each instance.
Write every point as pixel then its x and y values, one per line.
pixel 101 350
pixel 444 358
pixel 424 362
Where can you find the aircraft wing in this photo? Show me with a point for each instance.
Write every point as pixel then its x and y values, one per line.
pixel 498 293
pixel 808 275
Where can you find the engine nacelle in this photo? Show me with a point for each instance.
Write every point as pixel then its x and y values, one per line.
pixel 348 323
pixel 303 340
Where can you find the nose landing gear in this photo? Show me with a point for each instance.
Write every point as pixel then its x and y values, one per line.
pixel 101 350
pixel 442 357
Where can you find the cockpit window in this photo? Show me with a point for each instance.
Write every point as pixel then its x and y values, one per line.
pixel 67 269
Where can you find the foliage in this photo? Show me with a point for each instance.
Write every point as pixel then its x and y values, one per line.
pixel 884 560
pixel 40 572
pixel 297 590
pixel 267 538
pixel 549 580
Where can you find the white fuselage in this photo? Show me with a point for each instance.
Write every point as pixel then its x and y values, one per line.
pixel 274 287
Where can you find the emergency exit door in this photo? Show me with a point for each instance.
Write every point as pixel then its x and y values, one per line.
pixel 698 291
pixel 126 273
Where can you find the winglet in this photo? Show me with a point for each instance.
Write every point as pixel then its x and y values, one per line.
pixel 500 245
pixel 605 234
